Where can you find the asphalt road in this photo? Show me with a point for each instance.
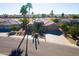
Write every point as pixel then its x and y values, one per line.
pixel 44 49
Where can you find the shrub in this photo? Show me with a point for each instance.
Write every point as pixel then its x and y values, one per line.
pixel 13 27
pixel 74 16
pixel 74 30
pixel 54 19
pixel 64 27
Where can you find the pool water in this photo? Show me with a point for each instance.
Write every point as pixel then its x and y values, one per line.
pixel 5 30
pixel 55 32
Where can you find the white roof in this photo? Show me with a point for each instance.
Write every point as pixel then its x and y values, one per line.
pixel 9 22
pixel 44 20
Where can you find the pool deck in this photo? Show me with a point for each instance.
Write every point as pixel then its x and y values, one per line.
pixel 54 46
pixel 49 38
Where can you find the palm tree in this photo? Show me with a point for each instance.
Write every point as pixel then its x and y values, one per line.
pixel 18 52
pixel 38 27
pixel 29 6
pixel 62 15
pixel 32 14
pixel 51 13
pixel 24 11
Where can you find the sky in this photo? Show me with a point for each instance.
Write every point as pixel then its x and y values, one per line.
pixel 58 8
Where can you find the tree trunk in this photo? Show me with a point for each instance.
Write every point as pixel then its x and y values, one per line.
pixel 65 34
pixel 26 54
pixel 26 32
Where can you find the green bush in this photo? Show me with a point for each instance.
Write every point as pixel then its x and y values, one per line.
pixel 73 29
pixel 74 16
pixel 13 27
pixel 64 27
pixel 23 20
pixel 54 19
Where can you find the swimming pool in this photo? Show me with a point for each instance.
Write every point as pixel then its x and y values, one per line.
pixel 55 32
pixel 5 30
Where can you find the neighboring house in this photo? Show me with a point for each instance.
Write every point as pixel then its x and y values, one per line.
pixel 14 16
pixel 74 21
pixel 49 25
pixel 5 24
pixel 64 21
pixel 69 20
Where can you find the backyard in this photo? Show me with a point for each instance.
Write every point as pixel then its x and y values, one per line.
pixel 28 33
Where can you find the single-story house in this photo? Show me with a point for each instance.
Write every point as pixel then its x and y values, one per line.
pixel 49 25
pixel 5 24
